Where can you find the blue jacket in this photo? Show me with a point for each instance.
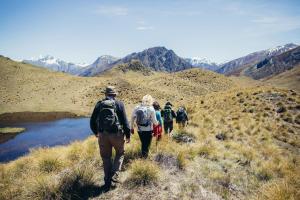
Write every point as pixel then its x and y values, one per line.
pixel 158 117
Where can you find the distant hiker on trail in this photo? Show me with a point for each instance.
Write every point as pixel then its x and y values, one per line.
pixel 109 123
pixel 144 116
pixel 181 117
pixel 157 129
pixel 168 116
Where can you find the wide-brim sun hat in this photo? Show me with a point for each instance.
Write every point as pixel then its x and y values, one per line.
pixel 110 90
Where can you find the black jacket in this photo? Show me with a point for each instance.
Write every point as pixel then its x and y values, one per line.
pixel 121 116
pixel 173 113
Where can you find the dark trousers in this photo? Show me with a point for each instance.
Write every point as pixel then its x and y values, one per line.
pixel 145 137
pixel 106 143
pixel 168 127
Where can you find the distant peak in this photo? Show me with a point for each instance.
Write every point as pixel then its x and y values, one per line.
pixel 106 56
pixel 157 49
pixel 45 57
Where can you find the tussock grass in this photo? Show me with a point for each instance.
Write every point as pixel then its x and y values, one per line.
pixel 51 173
pixel 259 158
pixel 49 164
pixel 142 172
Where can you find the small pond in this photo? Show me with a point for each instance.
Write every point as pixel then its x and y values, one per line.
pixel 43 134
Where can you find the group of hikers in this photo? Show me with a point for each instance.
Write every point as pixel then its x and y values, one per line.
pixel 109 123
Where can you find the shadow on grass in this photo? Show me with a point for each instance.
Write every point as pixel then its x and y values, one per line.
pixel 86 192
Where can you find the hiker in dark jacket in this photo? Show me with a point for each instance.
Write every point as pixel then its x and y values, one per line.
pixel 168 116
pixel 109 123
pixel 181 117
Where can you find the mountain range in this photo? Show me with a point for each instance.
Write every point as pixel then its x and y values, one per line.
pixel 274 65
pixel 156 58
pixel 56 64
pixel 203 63
pixel 163 59
pixel 237 65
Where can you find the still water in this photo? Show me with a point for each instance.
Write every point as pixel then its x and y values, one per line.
pixel 42 134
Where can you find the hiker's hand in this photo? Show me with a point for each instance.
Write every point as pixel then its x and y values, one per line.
pixel 127 140
pixel 132 131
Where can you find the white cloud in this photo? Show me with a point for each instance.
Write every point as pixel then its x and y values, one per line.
pixel 112 10
pixel 144 28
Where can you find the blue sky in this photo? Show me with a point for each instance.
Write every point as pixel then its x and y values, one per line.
pixel 80 31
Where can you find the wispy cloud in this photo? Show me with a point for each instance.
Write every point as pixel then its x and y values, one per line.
pixel 265 20
pixel 267 25
pixel 144 28
pixel 234 8
pixel 181 13
pixel 111 10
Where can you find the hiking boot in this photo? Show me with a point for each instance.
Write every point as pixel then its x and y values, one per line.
pixel 106 187
pixel 115 178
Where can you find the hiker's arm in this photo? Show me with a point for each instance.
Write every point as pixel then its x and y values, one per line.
pixel 159 118
pixel 153 118
pixel 124 121
pixel 93 120
pixel 173 114
pixel 133 117
pixel 186 116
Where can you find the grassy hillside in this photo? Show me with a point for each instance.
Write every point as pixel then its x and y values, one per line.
pixel 256 157
pixel 289 79
pixel 242 143
pixel 27 88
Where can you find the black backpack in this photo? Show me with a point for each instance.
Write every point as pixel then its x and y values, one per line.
pixel 108 118
pixel 168 117
pixel 181 115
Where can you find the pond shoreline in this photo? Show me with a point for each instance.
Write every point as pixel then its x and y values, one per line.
pixel 41 134
pixel 21 117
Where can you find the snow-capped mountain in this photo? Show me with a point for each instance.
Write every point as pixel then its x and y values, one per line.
pixel 274 65
pixel 237 65
pixel 56 64
pixel 203 63
pixel 101 64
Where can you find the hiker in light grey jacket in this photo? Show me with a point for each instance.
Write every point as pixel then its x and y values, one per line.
pixel 144 117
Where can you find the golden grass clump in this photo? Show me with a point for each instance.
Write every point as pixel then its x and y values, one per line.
pixel 50 164
pixel 143 172
pixel 282 189
pixel 41 187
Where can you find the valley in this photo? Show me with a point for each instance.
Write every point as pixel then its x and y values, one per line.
pixel 256 157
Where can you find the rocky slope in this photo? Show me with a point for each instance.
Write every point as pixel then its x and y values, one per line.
pixel 274 65
pixel 101 64
pixel 237 65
